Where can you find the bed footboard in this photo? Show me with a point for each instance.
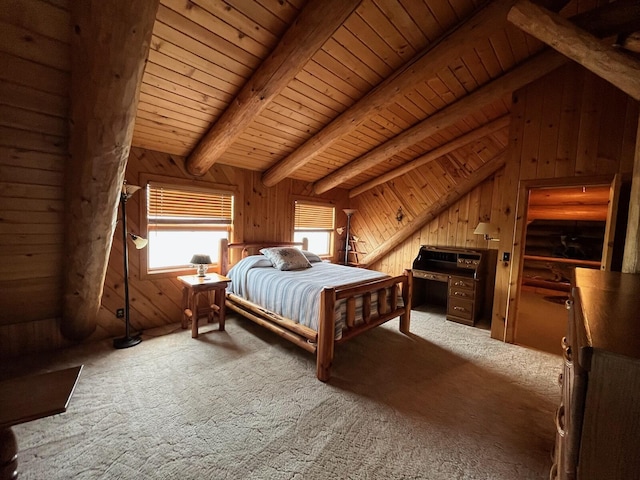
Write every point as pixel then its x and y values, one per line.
pixel 385 309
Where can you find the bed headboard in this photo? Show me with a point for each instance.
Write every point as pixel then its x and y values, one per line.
pixel 249 248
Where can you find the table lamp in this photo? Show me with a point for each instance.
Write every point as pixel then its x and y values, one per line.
pixel 201 262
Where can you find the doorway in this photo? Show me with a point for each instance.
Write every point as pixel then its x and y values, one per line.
pixel 565 226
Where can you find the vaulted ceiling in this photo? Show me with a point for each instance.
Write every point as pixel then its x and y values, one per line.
pixel 309 88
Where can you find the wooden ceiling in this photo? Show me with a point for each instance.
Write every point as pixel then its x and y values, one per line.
pixel 204 51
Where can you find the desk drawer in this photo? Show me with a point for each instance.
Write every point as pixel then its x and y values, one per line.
pixel 461 293
pixel 461 308
pixel 460 283
pixel 438 277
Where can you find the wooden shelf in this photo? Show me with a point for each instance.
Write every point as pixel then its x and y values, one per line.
pixel 566 261
pixel 354 253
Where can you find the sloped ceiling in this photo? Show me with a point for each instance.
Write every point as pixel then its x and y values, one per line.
pixel 204 51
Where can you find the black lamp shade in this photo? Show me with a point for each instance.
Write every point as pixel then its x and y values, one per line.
pixel 200 259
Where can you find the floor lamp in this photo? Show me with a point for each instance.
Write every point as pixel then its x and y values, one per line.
pixel 128 341
pixel 347 247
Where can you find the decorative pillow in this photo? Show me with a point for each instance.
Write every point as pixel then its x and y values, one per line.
pixel 286 258
pixel 312 257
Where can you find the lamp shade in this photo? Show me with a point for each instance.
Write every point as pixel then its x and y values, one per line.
pixel 489 230
pixel 349 211
pixel 200 259
pixel 128 189
pixel 139 242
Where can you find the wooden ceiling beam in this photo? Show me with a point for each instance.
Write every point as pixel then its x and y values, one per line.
pixel 602 20
pixel 436 153
pixel 531 70
pixel 313 27
pixel 621 16
pixel 456 193
pixel 423 66
pixel 109 47
pixel 614 66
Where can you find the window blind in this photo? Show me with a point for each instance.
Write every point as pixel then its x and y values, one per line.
pixel 313 216
pixel 172 205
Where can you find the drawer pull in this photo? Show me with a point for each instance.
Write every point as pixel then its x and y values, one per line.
pixel 568 304
pixel 460 309
pixel 560 379
pixel 460 284
pixel 460 294
pixel 560 420
pixel 566 350
pixel 553 473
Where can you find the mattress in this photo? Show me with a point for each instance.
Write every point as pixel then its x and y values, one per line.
pixel 296 294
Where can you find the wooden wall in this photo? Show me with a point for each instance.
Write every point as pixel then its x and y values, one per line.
pixel 570 123
pixel 375 219
pixel 453 227
pixel 34 98
pixel 261 213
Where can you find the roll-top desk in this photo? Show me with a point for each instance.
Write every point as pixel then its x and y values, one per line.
pixel 598 419
pixel 456 277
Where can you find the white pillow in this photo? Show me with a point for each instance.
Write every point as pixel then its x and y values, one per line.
pixel 286 258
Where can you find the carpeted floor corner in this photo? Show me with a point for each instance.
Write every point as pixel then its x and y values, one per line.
pixel 444 403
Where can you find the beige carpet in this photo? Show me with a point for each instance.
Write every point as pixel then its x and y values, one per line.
pixel 446 403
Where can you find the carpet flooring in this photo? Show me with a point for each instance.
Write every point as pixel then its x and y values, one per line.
pixel 446 402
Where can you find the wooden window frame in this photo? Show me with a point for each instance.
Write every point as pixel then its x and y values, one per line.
pixel 331 231
pixel 144 179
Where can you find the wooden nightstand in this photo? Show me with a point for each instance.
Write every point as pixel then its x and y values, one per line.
pixel 213 286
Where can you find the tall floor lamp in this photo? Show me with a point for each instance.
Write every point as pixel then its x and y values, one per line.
pixel 139 242
pixel 347 247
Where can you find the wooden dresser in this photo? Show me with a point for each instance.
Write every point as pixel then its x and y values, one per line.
pixel 598 419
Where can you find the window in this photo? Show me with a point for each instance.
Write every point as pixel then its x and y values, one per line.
pixel 182 221
pixel 315 222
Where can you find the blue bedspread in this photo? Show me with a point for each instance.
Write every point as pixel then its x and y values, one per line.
pixel 295 294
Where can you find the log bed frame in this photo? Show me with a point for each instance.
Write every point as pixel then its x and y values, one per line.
pixel 322 342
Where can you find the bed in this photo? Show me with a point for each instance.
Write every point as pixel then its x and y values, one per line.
pixel 340 302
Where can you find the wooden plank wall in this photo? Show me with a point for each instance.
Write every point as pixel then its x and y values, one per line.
pixel 375 220
pixel 34 98
pixel 570 123
pixel 261 213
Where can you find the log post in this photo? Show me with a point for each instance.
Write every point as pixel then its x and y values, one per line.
pixel 407 292
pixel 326 334
pixel 631 258
pixel 109 46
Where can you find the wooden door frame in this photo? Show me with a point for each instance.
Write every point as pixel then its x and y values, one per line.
pixel 519 234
